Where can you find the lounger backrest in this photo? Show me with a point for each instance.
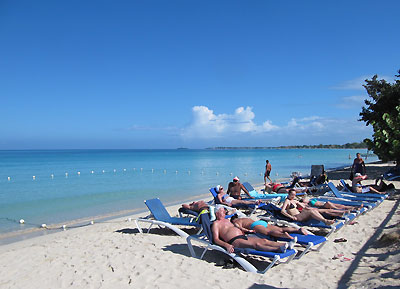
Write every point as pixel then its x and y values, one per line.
pixel 334 190
pixel 345 185
pixel 157 209
pixel 206 225
pixel 317 170
pixel 213 191
pixel 187 212
pixel 248 187
pixel 275 211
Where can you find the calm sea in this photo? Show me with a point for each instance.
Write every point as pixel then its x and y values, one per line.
pixel 55 186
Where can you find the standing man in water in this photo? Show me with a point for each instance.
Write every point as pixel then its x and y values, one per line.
pixel 268 169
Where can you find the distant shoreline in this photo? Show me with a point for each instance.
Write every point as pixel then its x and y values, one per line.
pixel 287 147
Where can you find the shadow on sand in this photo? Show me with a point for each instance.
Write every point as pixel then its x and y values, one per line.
pixel 343 282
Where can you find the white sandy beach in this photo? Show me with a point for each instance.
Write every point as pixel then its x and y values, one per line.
pixel 115 255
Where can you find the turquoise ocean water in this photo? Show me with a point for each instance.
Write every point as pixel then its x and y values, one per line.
pixel 55 186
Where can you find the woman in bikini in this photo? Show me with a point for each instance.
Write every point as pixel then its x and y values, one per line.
pixel 291 209
pixel 227 200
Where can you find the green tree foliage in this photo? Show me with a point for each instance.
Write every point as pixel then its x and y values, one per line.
pixel 383 114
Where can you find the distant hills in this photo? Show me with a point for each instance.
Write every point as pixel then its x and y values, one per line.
pixel 353 145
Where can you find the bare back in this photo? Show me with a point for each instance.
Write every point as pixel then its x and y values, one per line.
pixel 196 206
pixel 244 222
pixel 234 190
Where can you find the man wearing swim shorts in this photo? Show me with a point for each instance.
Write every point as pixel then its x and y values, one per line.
pixel 267 173
pixel 235 188
pixel 225 234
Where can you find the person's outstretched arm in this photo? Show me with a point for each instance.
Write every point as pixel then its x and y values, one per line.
pixel 284 212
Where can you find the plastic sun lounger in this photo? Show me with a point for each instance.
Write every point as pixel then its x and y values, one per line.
pixel 310 242
pixel 214 193
pixel 346 191
pixel 160 216
pixel 274 215
pixel 347 202
pixel 239 253
pixel 258 195
pixel 393 174
pixel 347 196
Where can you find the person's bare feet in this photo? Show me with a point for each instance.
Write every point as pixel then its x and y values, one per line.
pixel 329 222
pixel 303 231
pixel 287 235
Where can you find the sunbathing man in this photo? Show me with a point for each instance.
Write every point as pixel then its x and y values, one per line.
pixel 196 206
pixel 227 200
pixel 248 225
pixel 235 188
pixel 291 210
pixel 328 205
pixel 225 234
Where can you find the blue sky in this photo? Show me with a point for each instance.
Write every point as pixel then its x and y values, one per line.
pixel 167 74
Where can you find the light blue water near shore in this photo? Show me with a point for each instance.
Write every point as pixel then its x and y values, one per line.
pixel 57 186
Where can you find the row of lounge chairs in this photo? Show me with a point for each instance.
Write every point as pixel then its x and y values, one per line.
pixel 160 216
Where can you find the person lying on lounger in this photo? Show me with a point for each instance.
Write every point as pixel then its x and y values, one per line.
pixel 248 225
pixel 291 210
pixel 314 181
pixel 358 188
pixel 328 205
pixel 225 234
pixel 227 200
pixel 197 206
pixel 282 189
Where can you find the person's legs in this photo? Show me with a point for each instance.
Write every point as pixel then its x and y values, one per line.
pixel 294 182
pixel 306 215
pixel 375 191
pixel 283 232
pixel 332 212
pixel 272 230
pixel 294 230
pixel 329 205
pixel 269 177
pixel 260 244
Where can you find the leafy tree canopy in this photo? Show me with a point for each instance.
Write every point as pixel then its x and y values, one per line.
pixel 382 112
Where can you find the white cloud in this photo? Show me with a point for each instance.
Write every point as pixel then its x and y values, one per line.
pixel 207 124
pixel 239 128
pixel 353 84
pixel 357 83
pixel 305 123
pixel 354 101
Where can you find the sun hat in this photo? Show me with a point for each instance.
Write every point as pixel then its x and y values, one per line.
pixel 236 179
pixel 357 175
